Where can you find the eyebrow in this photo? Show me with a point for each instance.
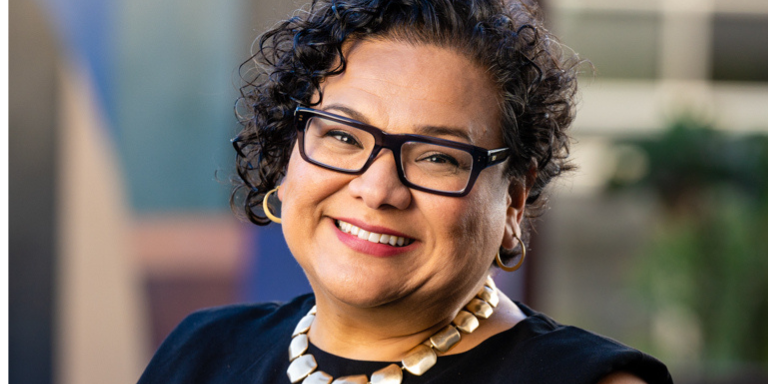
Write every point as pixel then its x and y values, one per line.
pixel 424 130
pixel 441 130
pixel 351 113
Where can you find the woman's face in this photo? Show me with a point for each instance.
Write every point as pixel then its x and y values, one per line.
pixel 449 242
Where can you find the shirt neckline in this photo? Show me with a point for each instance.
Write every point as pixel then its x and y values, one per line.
pixel 532 320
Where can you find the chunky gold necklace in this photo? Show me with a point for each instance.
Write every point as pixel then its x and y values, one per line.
pixel 417 361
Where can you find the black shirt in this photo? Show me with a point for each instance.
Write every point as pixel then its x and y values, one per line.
pixel 249 344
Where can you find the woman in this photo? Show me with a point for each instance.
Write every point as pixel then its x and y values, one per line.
pixel 409 140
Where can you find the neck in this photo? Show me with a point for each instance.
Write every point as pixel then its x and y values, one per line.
pixel 387 333
pixel 376 334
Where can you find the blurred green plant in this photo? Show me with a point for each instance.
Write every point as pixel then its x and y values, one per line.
pixel 708 255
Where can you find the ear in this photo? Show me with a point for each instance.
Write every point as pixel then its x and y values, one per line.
pixel 517 194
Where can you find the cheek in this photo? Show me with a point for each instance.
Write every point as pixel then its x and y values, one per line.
pixel 303 181
pixel 470 232
pixel 305 191
pixel 301 189
pixel 484 217
pixel 469 225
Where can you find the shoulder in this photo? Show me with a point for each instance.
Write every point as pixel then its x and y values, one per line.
pixel 224 320
pixel 232 321
pixel 224 341
pixel 551 348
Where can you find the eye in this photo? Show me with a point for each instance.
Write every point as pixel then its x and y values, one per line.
pixel 344 137
pixel 439 158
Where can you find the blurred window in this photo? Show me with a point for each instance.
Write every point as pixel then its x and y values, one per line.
pixel 739 49
pixel 621 44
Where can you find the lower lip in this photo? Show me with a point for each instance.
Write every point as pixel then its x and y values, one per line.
pixel 374 249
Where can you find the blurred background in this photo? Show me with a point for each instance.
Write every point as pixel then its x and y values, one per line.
pixel 120 118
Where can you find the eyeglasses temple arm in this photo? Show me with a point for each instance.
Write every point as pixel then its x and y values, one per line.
pixel 496 156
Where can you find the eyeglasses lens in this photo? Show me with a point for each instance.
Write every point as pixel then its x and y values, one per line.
pixel 435 166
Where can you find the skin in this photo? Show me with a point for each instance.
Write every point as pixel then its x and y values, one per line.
pixel 621 378
pixel 378 308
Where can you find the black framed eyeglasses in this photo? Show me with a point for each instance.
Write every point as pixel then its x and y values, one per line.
pixel 424 163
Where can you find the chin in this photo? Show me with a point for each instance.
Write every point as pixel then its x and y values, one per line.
pixel 361 293
pixel 365 302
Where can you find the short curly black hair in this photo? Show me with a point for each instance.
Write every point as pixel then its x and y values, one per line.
pixel 535 76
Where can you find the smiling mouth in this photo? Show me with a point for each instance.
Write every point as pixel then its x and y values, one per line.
pixel 373 237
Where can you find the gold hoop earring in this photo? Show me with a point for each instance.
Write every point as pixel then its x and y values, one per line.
pixel 266 207
pixel 519 263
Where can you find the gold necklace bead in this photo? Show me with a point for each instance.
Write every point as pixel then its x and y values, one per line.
pixel 466 322
pixel 299 345
pixel 480 308
pixel 304 324
pixel 419 359
pixel 357 379
pixel 391 374
pixel 301 368
pixel 489 295
pixel 318 377
pixel 445 338
pixel 490 283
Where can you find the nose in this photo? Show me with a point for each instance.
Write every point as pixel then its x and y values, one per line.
pixel 380 186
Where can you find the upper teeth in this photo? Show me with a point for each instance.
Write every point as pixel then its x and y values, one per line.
pixel 372 236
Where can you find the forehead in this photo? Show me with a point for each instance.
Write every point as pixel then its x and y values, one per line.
pixel 399 86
